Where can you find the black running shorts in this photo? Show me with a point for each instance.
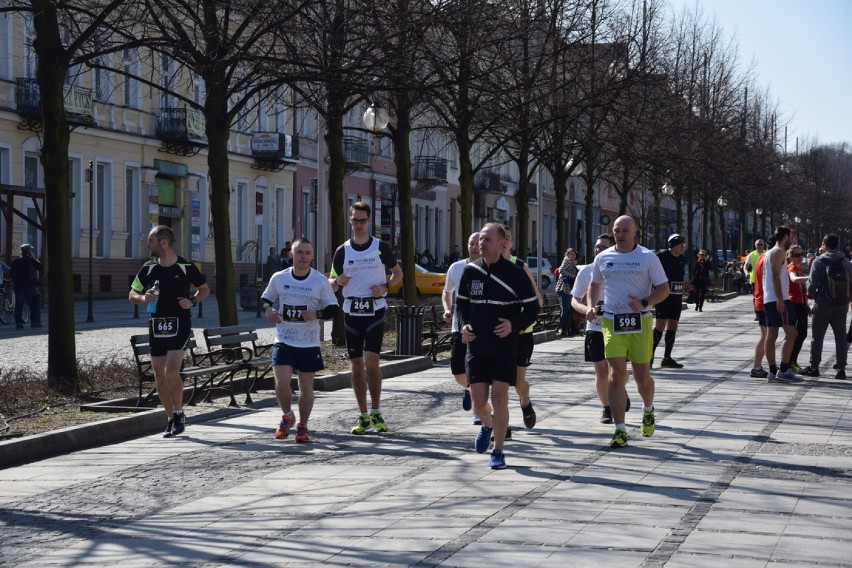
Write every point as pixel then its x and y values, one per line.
pixel 364 333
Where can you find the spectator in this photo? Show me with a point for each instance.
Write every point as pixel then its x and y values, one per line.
pixel 25 277
pixel 564 284
pixel 273 263
pixel 701 279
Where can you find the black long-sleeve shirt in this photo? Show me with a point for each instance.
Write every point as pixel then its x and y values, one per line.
pixel 488 292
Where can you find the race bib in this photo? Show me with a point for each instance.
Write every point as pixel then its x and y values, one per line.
pixel 362 307
pixel 164 327
pixel 292 313
pixel 676 287
pixel 627 323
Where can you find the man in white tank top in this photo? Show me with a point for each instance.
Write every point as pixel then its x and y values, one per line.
pixel 778 307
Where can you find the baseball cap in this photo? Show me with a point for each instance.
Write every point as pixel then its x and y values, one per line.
pixel 675 240
pixel 26 246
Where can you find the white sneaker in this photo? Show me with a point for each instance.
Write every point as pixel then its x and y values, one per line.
pixel 787 377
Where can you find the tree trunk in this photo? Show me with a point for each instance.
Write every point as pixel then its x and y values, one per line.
pixel 51 71
pixel 402 159
pixel 218 130
pixel 333 140
pixel 466 190
pixel 560 188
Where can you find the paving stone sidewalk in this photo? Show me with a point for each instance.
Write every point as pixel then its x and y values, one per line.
pixel 740 472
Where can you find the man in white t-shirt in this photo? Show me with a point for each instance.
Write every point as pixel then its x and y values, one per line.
pixel 778 307
pixel 304 297
pixel 448 298
pixel 630 279
pixel 594 336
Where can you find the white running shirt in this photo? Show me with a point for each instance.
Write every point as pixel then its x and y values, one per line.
pixel 769 295
pixel 625 274
pixel 581 288
pixel 451 284
pixel 293 295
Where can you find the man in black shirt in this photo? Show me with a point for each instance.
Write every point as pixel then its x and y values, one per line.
pixel 495 301
pixel 668 311
pixel 24 275
pixel 170 325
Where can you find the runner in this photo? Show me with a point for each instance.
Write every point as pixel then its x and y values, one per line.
pixel 304 297
pixel 668 311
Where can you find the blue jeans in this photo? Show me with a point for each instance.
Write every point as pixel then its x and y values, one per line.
pixel 565 318
pixel 30 296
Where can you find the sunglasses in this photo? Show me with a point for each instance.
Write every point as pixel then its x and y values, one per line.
pixel 797 254
pixel 355 221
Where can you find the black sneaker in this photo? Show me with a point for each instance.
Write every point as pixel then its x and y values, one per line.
pixel 670 363
pixel 810 371
pixel 529 415
pixel 168 432
pixel 508 434
pixel 180 424
pixel 840 375
pixel 606 415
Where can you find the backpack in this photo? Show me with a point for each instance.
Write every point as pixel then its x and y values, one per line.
pixel 837 283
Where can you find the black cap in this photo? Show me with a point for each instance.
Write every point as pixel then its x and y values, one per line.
pixel 675 240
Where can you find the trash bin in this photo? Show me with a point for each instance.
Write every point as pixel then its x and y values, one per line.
pixel 248 298
pixel 409 330
pixel 728 282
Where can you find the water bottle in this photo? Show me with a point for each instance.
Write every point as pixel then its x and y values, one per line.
pixel 152 306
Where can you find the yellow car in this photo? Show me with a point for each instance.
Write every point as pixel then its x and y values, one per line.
pixel 427 282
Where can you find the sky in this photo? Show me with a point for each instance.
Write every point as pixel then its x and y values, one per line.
pixel 802 51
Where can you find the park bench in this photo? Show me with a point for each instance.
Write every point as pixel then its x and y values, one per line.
pixel 548 316
pixel 254 357
pixel 207 372
pixel 436 331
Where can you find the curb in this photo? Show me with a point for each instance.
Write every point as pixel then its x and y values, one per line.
pixel 112 430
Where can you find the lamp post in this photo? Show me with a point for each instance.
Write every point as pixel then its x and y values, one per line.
pixel 90 178
pixel 375 120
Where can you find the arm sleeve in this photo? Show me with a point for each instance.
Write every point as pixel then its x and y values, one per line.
pixel 270 294
pixel 463 299
pixel 337 262
pixel 658 275
pixel 386 253
pixel 195 276
pixel 597 275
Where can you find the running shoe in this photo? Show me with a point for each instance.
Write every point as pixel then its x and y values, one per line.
pixel 498 460
pixel 648 423
pixel 283 430
pixel 466 404
pixel 795 367
pixel 606 415
pixel 379 424
pixel 362 425
pixel 669 363
pixel 840 375
pixel 770 376
pixel 810 371
pixel 483 440
pixel 529 415
pixel 302 433
pixel 787 377
pixel 619 439
pixel 759 373
pixel 508 434
pixel 169 426
pixel 180 424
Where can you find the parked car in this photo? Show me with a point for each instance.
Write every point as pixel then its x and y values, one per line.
pixel 546 271
pixel 426 282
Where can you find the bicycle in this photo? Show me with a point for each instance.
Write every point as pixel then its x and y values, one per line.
pixel 7 308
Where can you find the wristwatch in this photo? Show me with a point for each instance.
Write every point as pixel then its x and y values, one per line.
pixel 644 303
pixel 193 300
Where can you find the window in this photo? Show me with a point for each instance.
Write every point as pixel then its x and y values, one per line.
pixel 167 99
pixel 103 188
pixel 242 213
pixel 32 178
pixel 280 111
pixel 101 80
pixel 5 46
pixel 199 93
pixel 30 60
pixel 130 86
pixel 131 210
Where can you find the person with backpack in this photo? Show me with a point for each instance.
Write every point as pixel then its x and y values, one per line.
pixel 829 286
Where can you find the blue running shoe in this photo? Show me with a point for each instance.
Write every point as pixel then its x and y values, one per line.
pixel 483 440
pixel 498 460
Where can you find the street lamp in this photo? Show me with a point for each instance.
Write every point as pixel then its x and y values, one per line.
pixel 722 201
pixel 797 219
pixel 667 189
pixel 376 118
pixel 90 178
pixel 759 211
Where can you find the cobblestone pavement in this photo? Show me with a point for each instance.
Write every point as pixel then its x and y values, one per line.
pixel 739 472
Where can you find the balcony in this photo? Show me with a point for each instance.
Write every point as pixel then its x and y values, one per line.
pixel 429 170
pixel 182 131
pixel 79 104
pixel 273 151
pixel 356 153
pixel 485 182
